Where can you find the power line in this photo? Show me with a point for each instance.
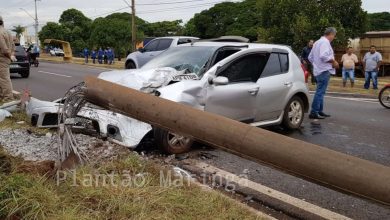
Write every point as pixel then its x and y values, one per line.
pixel 179 7
pixel 170 3
pixel 162 9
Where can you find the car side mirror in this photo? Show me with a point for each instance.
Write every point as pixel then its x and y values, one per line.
pixel 219 81
pixel 141 49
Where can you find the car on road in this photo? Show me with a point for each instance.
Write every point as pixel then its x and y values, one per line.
pixel 22 65
pixel 57 52
pixel 153 48
pixel 258 84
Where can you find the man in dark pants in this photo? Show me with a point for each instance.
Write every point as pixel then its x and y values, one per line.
pixel 305 60
pixel 324 64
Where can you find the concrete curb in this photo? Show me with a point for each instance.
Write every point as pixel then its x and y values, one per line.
pixel 348 95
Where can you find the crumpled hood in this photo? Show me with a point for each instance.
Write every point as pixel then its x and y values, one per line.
pixel 146 80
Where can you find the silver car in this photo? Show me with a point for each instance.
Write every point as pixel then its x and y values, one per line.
pixel 258 84
pixel 153 48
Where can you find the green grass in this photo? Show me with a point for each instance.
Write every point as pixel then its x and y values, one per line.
pixel 11 123
pixel 32 196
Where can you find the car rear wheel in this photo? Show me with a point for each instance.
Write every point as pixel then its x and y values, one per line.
pixel 172 143
pixel 293 113
pixel 130 65
pixel 25 74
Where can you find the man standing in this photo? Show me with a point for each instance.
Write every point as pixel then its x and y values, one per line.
pixel 100 56
pixel 324 64
pixel 86 54
pixel 5 60
pixel 349 60
pixel 306 62
pixel 93 56
pixel 371 63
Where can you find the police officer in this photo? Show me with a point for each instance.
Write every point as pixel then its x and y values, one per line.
pixel 5 59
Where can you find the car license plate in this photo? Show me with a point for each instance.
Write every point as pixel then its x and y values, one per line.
pixel 14 66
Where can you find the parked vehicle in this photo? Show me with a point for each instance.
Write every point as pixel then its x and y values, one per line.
pixel 258 84
pixel 57 52
pixel 153 48
pixel 21 66
pixel 384 96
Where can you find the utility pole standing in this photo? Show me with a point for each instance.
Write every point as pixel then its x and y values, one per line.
pixel 36 24
pixel 133 26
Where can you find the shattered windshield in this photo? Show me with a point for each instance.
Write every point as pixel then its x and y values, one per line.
pixel 188 59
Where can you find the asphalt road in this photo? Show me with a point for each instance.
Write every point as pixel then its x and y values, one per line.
pixel 50 81
pixel 357 127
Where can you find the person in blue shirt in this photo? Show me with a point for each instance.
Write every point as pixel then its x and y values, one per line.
pixel 86 54
pixel 93 56
pixel 105 56
pixel 110 56
pixel 100 56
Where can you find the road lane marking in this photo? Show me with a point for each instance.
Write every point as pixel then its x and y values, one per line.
pixel 367 100
pixel 280 196
pixel 54 74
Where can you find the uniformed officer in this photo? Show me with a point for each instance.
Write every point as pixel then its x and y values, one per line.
pixel 5 60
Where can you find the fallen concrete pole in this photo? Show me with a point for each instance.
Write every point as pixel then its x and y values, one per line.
pixel 322 165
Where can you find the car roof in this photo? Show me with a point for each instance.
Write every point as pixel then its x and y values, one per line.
pixel 175 37
pixel 237 44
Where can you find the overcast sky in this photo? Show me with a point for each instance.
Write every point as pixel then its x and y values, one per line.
pixel 149 10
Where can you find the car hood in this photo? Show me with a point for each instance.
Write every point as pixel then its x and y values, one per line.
pixel 147 80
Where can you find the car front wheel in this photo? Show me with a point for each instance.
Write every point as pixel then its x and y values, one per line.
pixel 130 65
pixel 172 143
pixel 293 113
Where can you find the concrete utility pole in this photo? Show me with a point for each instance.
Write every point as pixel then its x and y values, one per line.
pixel 133 26
pixel 36 24
pixel 312 162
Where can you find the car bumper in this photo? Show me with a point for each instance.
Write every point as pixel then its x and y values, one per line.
pixel 17 67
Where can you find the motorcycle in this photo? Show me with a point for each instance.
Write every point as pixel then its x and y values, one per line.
pixel 384 96
pixel 33 59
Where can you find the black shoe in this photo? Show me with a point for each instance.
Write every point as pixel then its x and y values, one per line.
pixel 323 114
pixel 315 116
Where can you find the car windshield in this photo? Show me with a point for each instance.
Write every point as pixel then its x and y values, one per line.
pixel 188 58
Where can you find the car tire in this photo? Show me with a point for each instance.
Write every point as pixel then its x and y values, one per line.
pixel 25 74
pixel 130 65
pixel 172 143
pixel 293 113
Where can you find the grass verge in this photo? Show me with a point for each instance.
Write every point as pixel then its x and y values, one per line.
pixel 77 60
pixel 336 85
pixel 15 122
pixel 31 196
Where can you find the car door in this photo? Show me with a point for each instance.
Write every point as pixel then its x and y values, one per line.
pixel 237 99
pixel 275 83
pixel 147 52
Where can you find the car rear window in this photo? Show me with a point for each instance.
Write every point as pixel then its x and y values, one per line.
pixel 19 51
pixel 284 63
pixel 164 44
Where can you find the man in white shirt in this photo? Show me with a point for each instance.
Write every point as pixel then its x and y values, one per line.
pixel 349 60
pixel 324 64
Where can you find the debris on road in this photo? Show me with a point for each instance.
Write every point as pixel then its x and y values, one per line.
pixel 4 114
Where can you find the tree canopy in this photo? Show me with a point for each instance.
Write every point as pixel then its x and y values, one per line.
pixel 379 21
pixel 227 18
pixel 289 22
pixel 18 30
pixel 294 22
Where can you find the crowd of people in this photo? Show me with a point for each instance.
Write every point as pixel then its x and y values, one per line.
pixel 105 56
pixel 320 61
pixel 371 62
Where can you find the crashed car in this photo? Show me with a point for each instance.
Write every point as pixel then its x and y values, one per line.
pixel 258 84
